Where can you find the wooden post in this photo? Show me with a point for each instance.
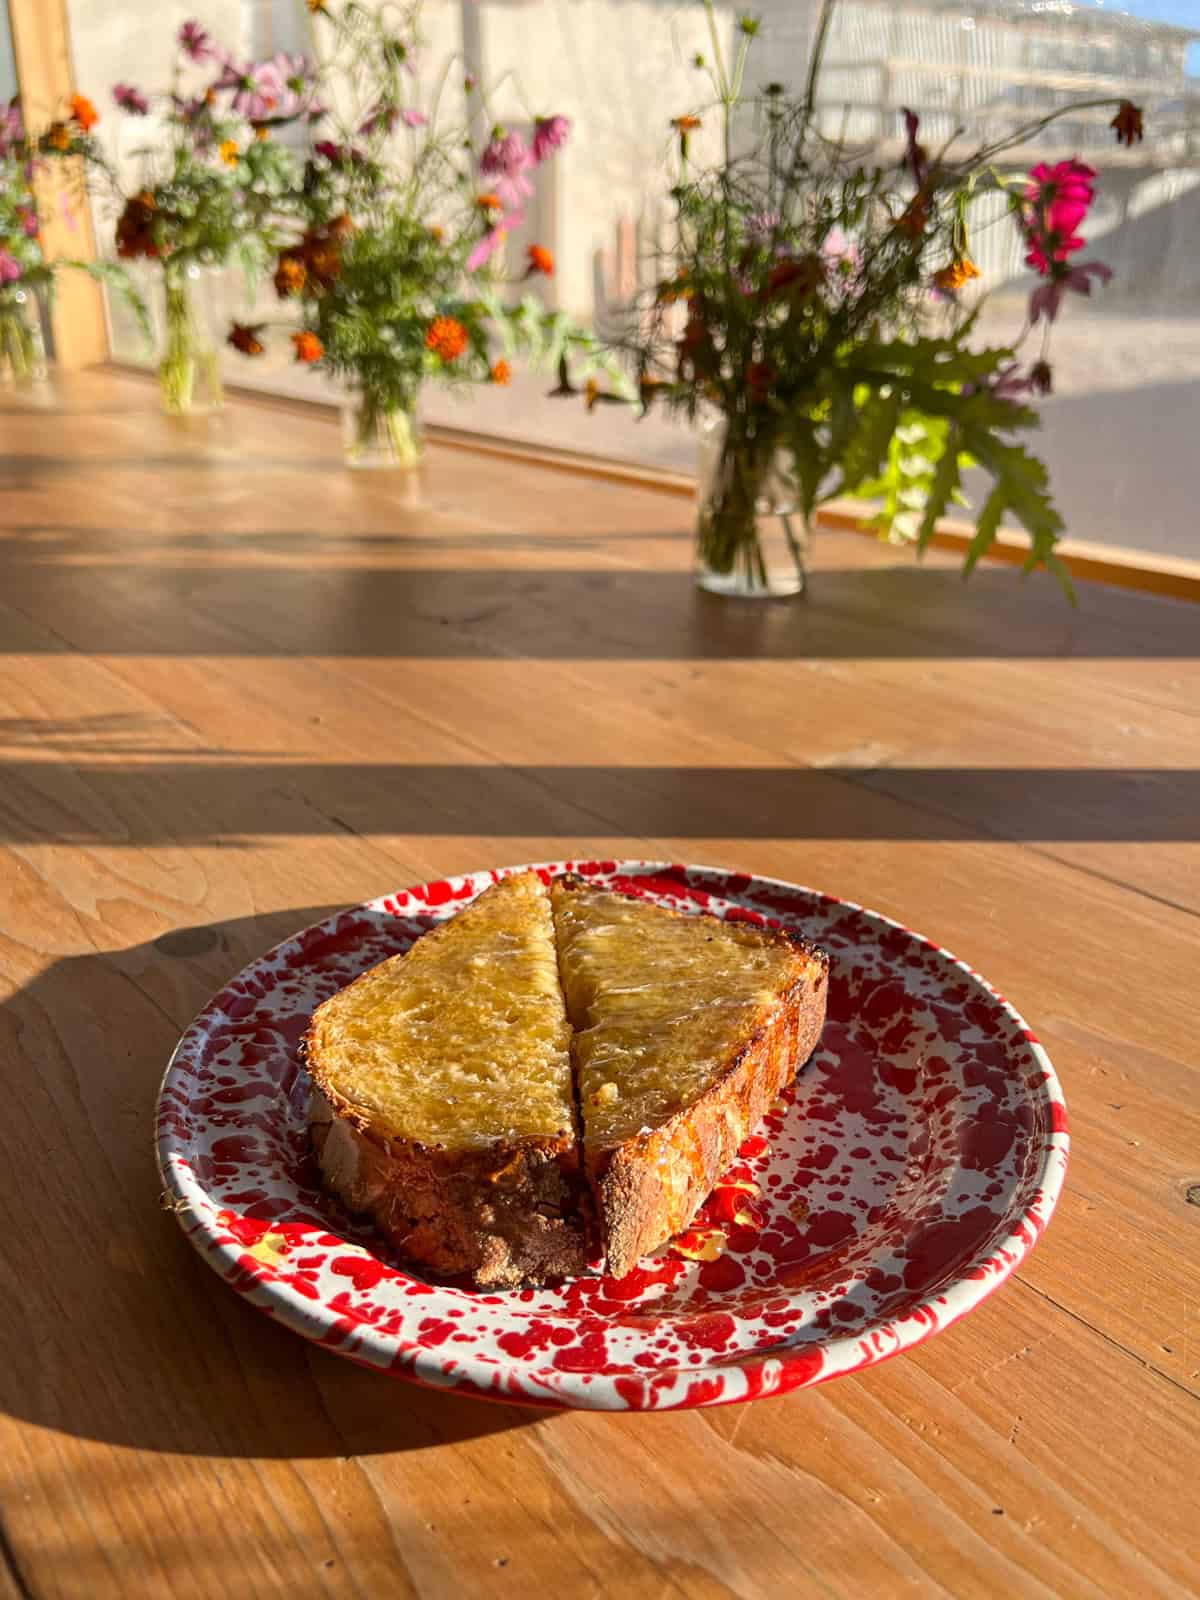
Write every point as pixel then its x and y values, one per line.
pixel 41 46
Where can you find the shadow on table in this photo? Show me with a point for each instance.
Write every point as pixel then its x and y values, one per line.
pixel 306 600
pixel 115 1329
pixel 226 797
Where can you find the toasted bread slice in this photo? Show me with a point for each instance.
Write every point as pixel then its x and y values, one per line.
pixel 445 1105
pixel 686 1028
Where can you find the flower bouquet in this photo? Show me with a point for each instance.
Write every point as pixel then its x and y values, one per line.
pixel 212 188
pixel 26 274
pixel 404 219
pixel 812 316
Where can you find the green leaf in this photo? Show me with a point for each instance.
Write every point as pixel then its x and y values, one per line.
pixel 868 446
pixel 945 485
pixel 986 529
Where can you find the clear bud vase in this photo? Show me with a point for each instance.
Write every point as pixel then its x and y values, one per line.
pixel 189 362
pixel 22 346
pixel 376 433
pixel 751 533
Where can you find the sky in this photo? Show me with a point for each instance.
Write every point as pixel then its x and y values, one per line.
pixel 1184 13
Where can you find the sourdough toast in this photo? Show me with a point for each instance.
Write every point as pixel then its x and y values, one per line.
pixel 686 1028
pixel 444 1104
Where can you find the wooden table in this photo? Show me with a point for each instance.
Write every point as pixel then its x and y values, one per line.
pixel 242 686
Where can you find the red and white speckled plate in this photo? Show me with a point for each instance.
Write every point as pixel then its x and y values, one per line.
pixel 907 1174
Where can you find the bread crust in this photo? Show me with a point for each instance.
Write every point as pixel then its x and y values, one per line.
pixel 506 1213
pixel 650 1188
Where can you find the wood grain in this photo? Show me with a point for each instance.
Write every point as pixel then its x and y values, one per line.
pixel 241 687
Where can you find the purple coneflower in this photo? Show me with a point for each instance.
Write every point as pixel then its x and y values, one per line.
pixel 549 135
pixel 130 99
pixel 194 41
pixel 506 160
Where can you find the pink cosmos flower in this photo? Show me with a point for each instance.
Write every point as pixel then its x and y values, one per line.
pixel 10 268
pixel 506 160
pixel 258 88
pixel 549 135
pixel 493 239
pixel 130 99
pixel 413 119
pixel 761 226
pixel 195 42
pixel 1046 299
pixel 843 254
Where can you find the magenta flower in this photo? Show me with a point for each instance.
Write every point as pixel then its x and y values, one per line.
pixel 506 161
pixel 328 150
pixel 413 119
pixel 130 99
pixel 549 135
pixel 493 239
pixel 10 268
pixel 195 42
pixel 28 220
pixel 1046 299
pixel 1056 200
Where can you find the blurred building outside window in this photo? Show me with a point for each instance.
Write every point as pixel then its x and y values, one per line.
pixel 1117 431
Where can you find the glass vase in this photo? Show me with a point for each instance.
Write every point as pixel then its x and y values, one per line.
pixel 189 362
pixel 751 533
pixel 22 346
pixel 378 434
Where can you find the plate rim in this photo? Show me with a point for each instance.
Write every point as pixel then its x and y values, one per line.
pixel 777 1370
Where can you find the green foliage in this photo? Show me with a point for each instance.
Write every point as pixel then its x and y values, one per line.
pixel 796 301
pixel 395 245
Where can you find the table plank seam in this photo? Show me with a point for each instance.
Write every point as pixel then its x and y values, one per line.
pixel 12 1566
pixel 1116 1344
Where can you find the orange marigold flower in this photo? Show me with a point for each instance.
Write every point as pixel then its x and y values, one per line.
pixel 502 372
pixel 323 260
pixel 261 132
pixel 59 136
pixel 956 275
pixel 676 288
pixel 244 337
pixel 489 201
pixel 340 228
pixel 308 347
pixel 540 260
pixel 84 112
pixel 290 276
pixel 317 5
pixel 228 152
pixel 684 126
pixel 1127 124
pixel 447 338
